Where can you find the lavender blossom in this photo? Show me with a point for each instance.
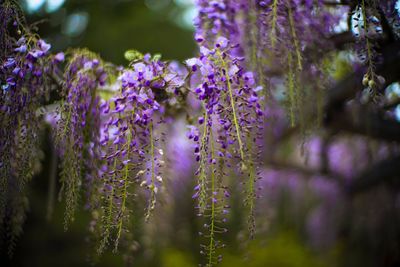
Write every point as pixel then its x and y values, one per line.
pixel 78 128
pixel 24 87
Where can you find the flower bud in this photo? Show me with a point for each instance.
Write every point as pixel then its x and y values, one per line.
pixel 371 84
pixel 365 80
pixel 243 167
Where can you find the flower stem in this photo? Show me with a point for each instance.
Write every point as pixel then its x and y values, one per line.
pixel 202 177
pixel 211 245
pixel 232 102
pixel 108 219
pixel 295 39
pixel 124 194
pixel 273 23
pixel 368 44
pixel 291 90
pixel 153 163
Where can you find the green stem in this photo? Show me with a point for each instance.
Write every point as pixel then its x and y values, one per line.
pixel 67 122
pixel 253 34
pixel 124 194
pixel 202 177
pixel 152 186
pixel 152 154
pixel 295 39
pixel 369 49
pixel 232 102
pixel 109 213
pixel 212 223
pixel 273 23
pixel 291 90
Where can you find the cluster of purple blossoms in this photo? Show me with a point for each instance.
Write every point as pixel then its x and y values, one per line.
pixel 24 88
pixel 228 95
pixel 288 31
pixel 132 143
pixel 78 127
pixel 24 64
pixel 292 26
pixel 230 125
pixel 282 30
pixel 215 18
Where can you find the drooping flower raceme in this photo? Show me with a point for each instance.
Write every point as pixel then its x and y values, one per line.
pixel 216 18
pixel 24 87
pixel 226 134
pixel 284 38
pixel 367 28
pixel 288 30
pixel 131 143
pixel 78 129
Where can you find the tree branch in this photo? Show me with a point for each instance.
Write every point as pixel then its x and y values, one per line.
pixel 363 120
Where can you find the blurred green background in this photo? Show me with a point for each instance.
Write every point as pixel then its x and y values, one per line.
pixel 110 27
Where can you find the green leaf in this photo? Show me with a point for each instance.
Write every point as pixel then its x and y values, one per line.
pixel 133 55
pixel 156 57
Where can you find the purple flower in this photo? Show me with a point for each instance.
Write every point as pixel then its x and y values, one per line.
pixel 148 75
pixel 129 78
pixel 139 67
pixel 10 62
pixel 36 54
pixel 204 51
pixel 221 42
pixel 193 133
pixel 201 120
pixel 21 49
pixel 249 78
pixel 199 38
pixel 192 62
pixel 44 46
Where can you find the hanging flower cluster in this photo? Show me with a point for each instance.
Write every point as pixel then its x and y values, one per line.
pixel 294 34
pixel 131 143
pixel 367 28
pixel 24 87
pixel 216 18
pixel 227 132
pixel 78 127
pixel 274 37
